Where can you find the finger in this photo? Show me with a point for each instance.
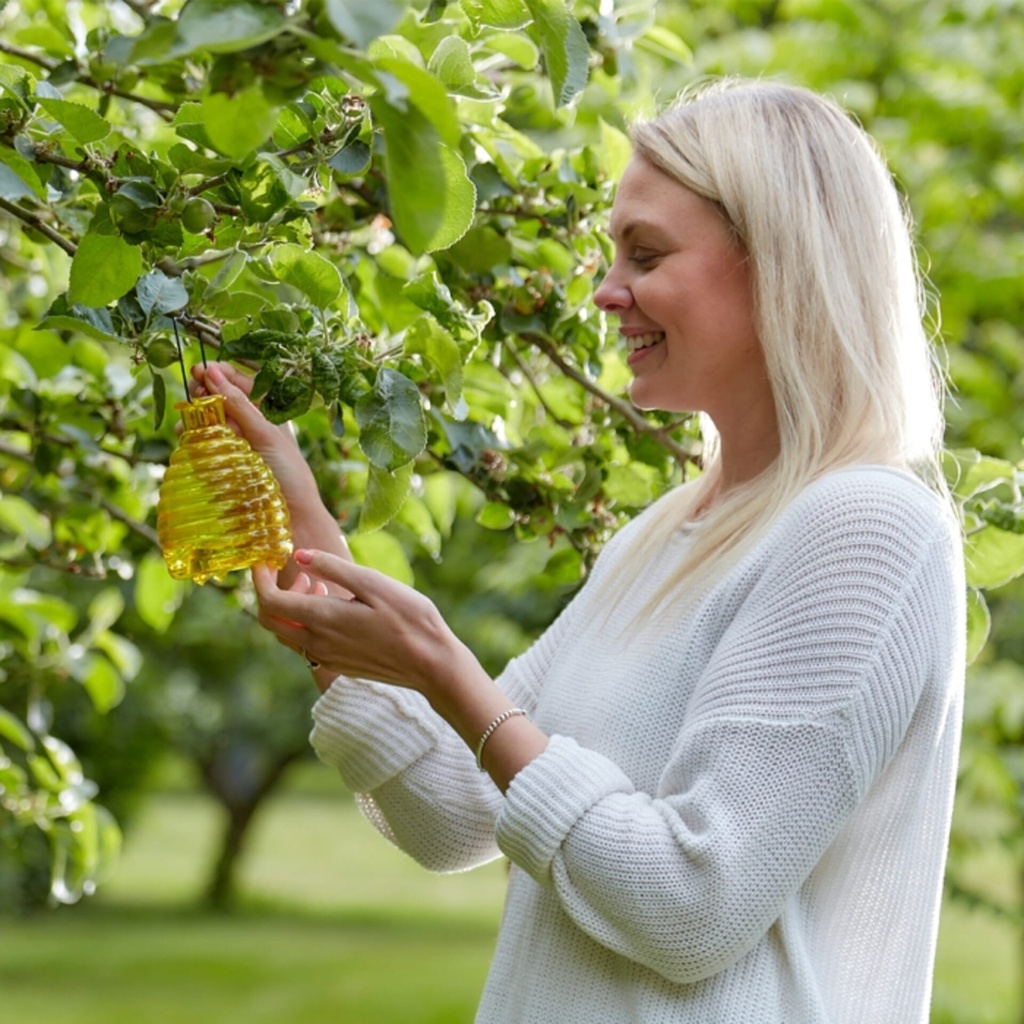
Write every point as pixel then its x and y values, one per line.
pixel 285 623
pixel 278 610
pixel 253 424
pixel 240 380
pixel 305 584
pixel 365 585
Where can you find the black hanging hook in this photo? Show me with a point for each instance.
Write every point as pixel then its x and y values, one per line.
pixel 181 357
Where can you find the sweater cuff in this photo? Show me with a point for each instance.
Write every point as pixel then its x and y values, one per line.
pixel 546 799
pixel 371 731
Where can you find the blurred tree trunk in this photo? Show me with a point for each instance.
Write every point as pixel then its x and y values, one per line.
pixel 240 777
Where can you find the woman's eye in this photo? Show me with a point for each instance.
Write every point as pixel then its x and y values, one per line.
pixel 642 258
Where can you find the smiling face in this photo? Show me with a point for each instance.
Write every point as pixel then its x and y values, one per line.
pixel 680 287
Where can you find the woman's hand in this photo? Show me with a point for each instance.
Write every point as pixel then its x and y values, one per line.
pixel 384 631
pixel 389 632
pixel 275 444
pixel 312 525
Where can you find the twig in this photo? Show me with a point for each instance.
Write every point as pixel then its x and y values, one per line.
pixel 144 531
pixel 208 333
pixel 40 225
pixel 49 63
pixel 525 371
pixel 165 109
pixel 681 452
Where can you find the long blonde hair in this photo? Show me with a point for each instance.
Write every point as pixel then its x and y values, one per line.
pixel 838 301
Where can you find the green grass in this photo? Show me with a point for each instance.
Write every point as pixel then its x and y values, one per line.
pixel 334 925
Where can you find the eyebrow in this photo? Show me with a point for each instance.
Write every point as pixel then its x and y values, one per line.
pixel 631 227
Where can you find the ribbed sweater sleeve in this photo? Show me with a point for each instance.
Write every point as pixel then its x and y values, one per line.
pixel 833 630
pixel 414 778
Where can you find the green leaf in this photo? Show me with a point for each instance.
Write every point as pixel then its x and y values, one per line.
pixel 261 344
pixel 432 199
pixel 23 520
pixel 518 48
pixel 352 159
pixel 565 48
pixel 499 13
pixel 317 278
pixel 993 557
pixel 392 427
pixel 286 398
pixel 325 378
pixel 158 293
pixel 53 611
pixel 666 44
pixel 452 63
pixel 225 26
pixel 481 250
pixel 84 124
pixel 157 594
pixel 385 494
pixel 123 654
pixel 362 22
pixel 104 268
pixel 426 337
pixel 159 398
pixel 615 151
pixel 380 551
pixel 96 323
pixel 981 473
pixel 564 567
pixel 623 485
pixel 101 681
pixel 237 124
pixel 407 85
pixel 17 184
pixel 105 609
pixel 13 730
pixel 979 622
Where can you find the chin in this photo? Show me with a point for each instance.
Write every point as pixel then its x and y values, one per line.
pixel 646 398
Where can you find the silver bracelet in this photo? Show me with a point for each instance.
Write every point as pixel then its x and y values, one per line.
pixel 488 732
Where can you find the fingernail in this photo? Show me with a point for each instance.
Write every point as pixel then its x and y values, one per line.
pixel 303 556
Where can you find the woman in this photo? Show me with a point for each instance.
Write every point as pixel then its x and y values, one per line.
pixel 724 776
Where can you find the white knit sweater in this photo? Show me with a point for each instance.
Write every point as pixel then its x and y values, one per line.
pixel 741 820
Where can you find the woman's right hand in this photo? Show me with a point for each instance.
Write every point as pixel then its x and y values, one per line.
pixel 313 526
pixel 275 444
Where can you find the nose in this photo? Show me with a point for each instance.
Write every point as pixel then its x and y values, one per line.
pixel 612 295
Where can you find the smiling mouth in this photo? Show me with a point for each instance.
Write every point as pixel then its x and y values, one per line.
pixel 636 342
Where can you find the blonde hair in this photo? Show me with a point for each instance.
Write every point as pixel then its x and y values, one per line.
pixel 838 302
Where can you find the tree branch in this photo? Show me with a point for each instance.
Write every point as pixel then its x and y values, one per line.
pixel 682 453
pixel 140 529
pixel 525 371
pixel 49 63
pixel 40 225
pixel 163 108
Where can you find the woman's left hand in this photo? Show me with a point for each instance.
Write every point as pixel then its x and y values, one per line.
pixel 389 632
pixel 385 631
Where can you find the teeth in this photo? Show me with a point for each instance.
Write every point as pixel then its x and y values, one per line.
pixel 638 341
